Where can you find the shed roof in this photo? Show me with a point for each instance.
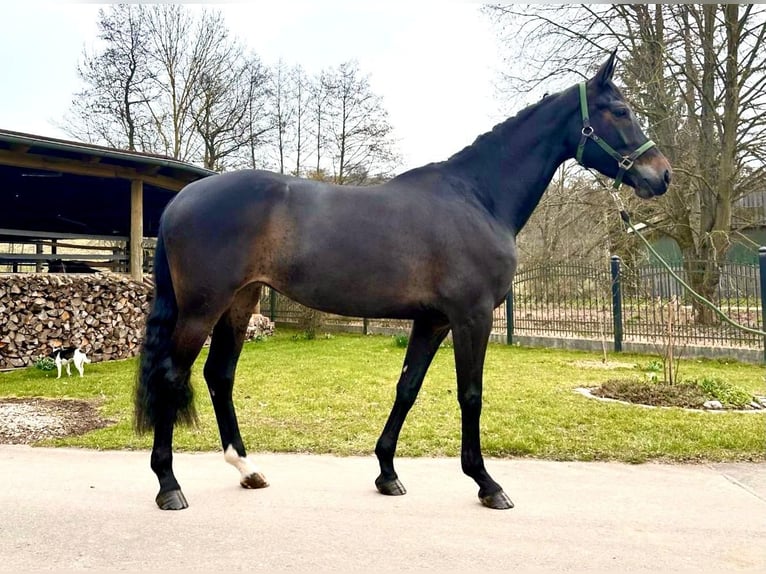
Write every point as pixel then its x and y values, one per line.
pixel 60 186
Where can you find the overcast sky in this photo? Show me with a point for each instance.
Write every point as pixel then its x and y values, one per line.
pixel 434 63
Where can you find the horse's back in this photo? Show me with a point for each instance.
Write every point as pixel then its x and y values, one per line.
pixel 219 195
pixel 385 250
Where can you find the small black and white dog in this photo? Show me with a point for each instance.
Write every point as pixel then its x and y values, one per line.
pixel 63 356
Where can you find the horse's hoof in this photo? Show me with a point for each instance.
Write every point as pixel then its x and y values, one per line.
pixel 255 480
pixel 499 501
pixel 390 487
pixel 172 500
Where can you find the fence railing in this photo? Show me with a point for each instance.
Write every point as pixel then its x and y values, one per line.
pixel 613 303
pixel 653 298
pixel 38 251
pixel 565 299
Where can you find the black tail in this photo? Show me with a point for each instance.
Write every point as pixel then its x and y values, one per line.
pixel 158 387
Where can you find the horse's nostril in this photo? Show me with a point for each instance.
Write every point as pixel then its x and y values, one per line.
pixel 667 176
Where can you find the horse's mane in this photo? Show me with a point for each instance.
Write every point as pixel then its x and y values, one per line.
pixel 499 134
pixel 498 138
pixel 484 158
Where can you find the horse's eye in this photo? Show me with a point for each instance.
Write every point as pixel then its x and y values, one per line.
pixel 620 112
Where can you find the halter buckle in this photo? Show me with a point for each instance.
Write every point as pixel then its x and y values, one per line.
pixel 625 163
pixel 587 131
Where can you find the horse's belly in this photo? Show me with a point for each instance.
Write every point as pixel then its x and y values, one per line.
pixel 351 293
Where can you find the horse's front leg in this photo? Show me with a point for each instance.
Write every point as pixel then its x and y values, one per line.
pixel 470 339
pixel 425 338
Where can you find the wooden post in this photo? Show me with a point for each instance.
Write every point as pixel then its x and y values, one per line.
pixel 38 264
pixel 137 229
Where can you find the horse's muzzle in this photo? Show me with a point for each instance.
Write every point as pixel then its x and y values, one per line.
pixel 651 176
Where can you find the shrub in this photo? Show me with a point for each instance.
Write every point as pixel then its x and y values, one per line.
pixel 653 366
pixel 716 388
pixel 45 363
pixel 401 341
pixel 310 321
pixel 689 393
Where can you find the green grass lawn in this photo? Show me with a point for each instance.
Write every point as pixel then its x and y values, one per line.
pixel 332 395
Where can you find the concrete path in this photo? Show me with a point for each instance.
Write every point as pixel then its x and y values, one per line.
pixel 67 509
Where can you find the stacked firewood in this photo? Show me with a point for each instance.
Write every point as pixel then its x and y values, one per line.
pixel 103 314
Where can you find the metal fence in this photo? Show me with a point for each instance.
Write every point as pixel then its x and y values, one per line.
pixel 645 304
pixel 653 302
pixel 612 303
pixel 561 300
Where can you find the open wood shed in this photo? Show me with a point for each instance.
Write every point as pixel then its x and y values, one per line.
pixel 53 189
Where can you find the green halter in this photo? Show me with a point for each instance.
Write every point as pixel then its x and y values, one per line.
pixel 624 161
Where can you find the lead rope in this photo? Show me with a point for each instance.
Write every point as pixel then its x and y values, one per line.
pixel 625 216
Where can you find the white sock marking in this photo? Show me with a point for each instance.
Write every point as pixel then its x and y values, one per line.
pixel 241 463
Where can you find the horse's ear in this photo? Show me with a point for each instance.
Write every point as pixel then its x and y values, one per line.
pixel 606 70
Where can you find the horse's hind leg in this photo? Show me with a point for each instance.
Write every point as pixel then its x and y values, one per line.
pixel 225 347
pixel 427 334
pixel 188 337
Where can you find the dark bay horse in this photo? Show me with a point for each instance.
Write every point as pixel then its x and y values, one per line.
pixel 435 245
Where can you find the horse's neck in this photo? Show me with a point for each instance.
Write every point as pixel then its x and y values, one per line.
pixel 510 167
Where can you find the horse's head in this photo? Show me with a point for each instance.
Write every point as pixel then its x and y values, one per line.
pixel 612 141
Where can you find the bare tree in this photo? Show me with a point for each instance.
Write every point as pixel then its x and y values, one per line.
pixel 697 73
pixel 290 93
pixel 318 106
pixel 283 110
pixel 168 80
pixel 222 114
pixel 360 136
pixel 111 108
pixel 172 81
pixel 554 232
pixel 259 120
pixel 186 50
pixel 302 91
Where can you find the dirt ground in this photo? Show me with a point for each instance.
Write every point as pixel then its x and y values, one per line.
pixel 27 420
